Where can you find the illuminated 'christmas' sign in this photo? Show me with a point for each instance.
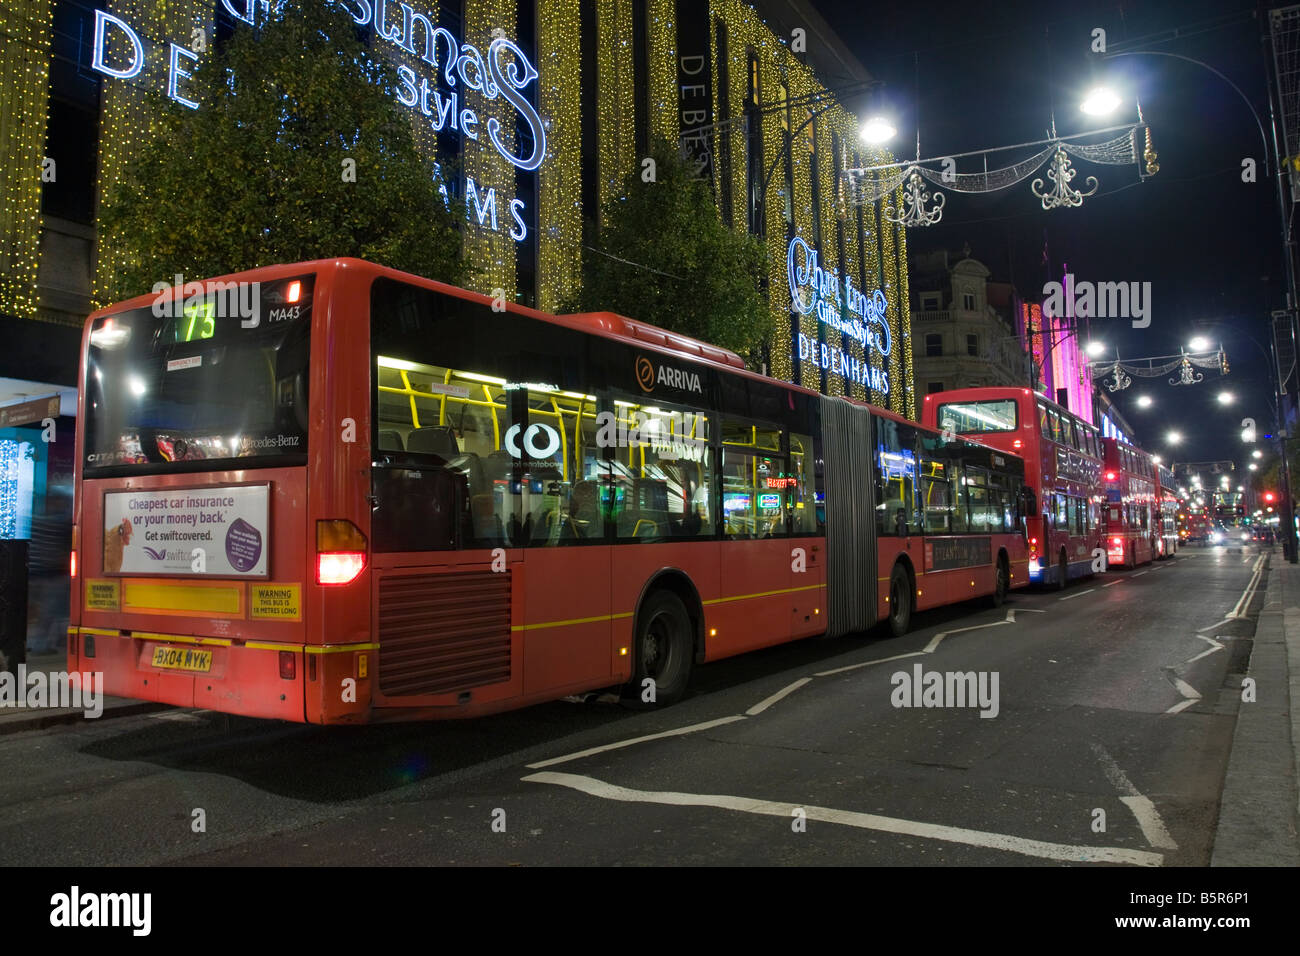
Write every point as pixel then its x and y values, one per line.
pixel 859 315
pixel 504 75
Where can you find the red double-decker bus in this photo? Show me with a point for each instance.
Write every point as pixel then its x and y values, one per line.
pixel 357 495
pixel 1132 505
pixel 1167 510
pixel 1062 456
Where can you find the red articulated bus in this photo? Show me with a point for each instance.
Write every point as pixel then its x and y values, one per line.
pixel 1131 505
pixel 332 492
pixel 1168 507
pixel 1062 456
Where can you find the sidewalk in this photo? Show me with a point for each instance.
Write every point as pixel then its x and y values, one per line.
pixel 1258 807
pixel 15 719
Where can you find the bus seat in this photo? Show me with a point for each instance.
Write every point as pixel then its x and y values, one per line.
pixel 391 440
pixel 433 440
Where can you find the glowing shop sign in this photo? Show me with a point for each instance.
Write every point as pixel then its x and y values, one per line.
pixel 838 362
pixel 501 77
pixel 857 314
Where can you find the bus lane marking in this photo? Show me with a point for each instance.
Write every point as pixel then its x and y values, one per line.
pixel 1071 597
pixel 852 818
pixel 1113 583
pixel 1143 810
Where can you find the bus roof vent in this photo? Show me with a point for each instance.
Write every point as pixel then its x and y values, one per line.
pixel 621 325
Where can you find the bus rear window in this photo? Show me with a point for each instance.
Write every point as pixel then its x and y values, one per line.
pixel 966 418
pixel 220 377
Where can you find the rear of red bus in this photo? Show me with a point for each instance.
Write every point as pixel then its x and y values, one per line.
pixel 1131 503
pixel 1003 418
pixel 211 531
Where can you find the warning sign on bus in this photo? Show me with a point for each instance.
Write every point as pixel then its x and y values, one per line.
pixel 280 602
pixel 103 595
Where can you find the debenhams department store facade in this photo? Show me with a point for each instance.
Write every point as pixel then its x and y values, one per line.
pixel 593 81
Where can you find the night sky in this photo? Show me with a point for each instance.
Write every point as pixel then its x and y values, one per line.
pixel 991 74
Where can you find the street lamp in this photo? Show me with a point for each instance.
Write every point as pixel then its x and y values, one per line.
pixel 1174 437
pixel 877 130
pixel 1144 401
pixel 1256 454
pixel 1100 101
pixel 1225 398
pixel 1253 466
pixel 1095 349
pixel 1199 344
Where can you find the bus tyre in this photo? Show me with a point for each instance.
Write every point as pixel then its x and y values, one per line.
pixel 665 649
pixel 900 601
pixel 1062 571
pixel 1001 583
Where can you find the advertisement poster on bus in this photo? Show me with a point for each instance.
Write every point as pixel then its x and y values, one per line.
pixel 221 532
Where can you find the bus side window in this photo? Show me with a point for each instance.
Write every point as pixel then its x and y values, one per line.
pixel 895 468
pixel 800 496
pixel 934 488
pixel 1044 426
pixel 662 473
pixel 977 500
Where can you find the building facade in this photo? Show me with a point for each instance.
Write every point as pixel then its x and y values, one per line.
pixel 963 331
pixel 598 82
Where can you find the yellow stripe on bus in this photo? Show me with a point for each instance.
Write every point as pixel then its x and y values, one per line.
pixel 746 597
pixel 339 648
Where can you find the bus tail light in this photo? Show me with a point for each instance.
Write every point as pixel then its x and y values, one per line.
pixel 72 565
pixel 1111 476
pixel 341 552
pixel 1017 444
pixel 288 665
pixel 1116 540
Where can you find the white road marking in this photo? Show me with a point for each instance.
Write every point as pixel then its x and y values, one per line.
pixel 864 821
pixel 881 660
pixel 1214 646
pixel 938 638
pixel 1113 583
pixel 1202 630
pixel 1148 818
pixel 783 692
pixel 1140 573
pixel 1153 828
pixel 1188 692
pixel 1239 610
pixel 1071 597
pixel 679 731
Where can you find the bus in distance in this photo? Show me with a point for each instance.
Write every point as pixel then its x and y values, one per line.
pixel 376 498
pixel 1131 526
pixel 1062 456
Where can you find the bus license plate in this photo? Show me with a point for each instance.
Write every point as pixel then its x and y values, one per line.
pixel 182 659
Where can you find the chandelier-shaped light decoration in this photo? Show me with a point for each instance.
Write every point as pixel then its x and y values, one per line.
pixel 1117 374
pixel 915 196
pixel 1062 193
pixel 870 185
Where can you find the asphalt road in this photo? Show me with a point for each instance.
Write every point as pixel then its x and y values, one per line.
pixel 1115 707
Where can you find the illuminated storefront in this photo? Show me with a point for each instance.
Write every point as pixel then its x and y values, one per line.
pixel 544 107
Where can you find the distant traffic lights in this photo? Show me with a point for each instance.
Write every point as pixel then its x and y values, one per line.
pixel 1269 497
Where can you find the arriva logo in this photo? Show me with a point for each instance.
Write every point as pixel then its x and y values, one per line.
pixel 648 376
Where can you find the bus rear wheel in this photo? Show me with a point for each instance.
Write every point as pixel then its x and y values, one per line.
pixel 900 601
pixel 1001 583
pixel 664 651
